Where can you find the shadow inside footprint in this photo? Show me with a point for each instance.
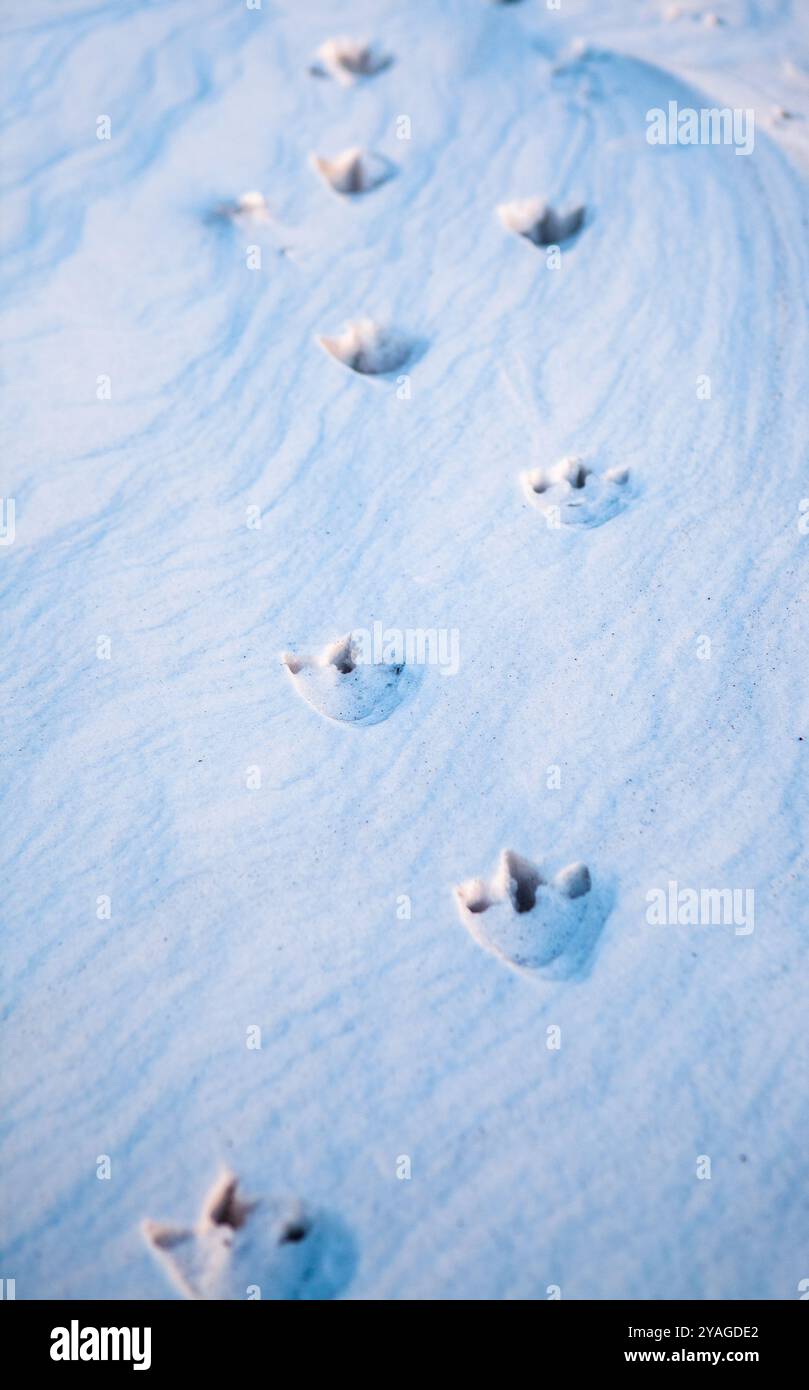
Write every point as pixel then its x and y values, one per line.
pixel 343 683
pixel 533 923
pixel 274 1249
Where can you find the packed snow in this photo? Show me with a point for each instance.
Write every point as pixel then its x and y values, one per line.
pixel 241 949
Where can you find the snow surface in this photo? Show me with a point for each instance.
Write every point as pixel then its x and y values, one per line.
pixel 279 905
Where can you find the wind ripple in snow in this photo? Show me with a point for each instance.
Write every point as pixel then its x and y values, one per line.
pixel 231 489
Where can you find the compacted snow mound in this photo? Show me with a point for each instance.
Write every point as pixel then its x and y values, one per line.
pixel 274 1249
pixel 573 494
pixel 528 920
pixel 340 685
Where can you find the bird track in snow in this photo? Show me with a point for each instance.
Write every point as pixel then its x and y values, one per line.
pixel 353 171
pixel 538 222
pixel 368 347
pixel 349 60
pixel 239 1249
pixel 573 494
pixel 531 921
pixel 342 687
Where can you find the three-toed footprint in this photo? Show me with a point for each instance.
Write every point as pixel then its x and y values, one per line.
pixel 571 493
pixel 368 347
pixel 354 171
pixel 532 921
pixel 349 60
pixel 344 683
pixel 537 221
pixel 269 1249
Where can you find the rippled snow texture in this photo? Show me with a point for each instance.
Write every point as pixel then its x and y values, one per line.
pixel 230 937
